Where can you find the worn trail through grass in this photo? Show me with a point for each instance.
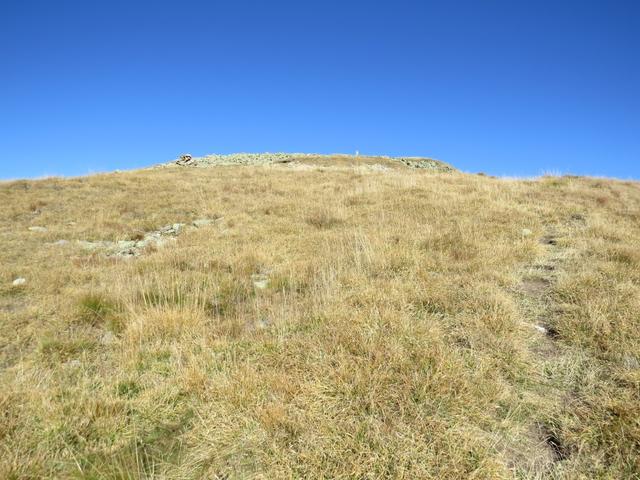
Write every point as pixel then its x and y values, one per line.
pixel 535 297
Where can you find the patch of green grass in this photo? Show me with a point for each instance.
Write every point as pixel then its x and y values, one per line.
pixel 60 350
pixel 128 388
pixel 155 443
pixel 158 361
pixel 230 295
pixel 96 309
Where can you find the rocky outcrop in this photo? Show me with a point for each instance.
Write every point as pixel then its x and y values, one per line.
pixel 297 158
pixel 133 248
pixel 185 159
pixel 428 163
pixel 247 159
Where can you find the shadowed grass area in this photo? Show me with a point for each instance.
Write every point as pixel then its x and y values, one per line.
pixel 336 320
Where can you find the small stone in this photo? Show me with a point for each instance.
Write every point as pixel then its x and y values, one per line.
pixel 202 222
pixel 59 243
pixel 261 284
pixel 19 281
pixel 37 229
pixel 108 338
pixel 260 281
pixel 167 230
pixel 631 362
pixel 541 329
pixel 526 232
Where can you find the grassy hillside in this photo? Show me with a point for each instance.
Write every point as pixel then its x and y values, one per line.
pixel 320 320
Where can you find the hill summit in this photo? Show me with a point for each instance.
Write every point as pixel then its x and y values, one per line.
pixel 307 316
pixel 296 159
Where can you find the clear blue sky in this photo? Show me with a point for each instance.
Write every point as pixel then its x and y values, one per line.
pixel 504 87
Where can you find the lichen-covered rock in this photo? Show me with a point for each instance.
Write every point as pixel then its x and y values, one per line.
pixel 202 222
pixel 133 248
pixel 428 163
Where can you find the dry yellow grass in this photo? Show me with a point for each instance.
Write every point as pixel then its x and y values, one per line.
pixel 394 338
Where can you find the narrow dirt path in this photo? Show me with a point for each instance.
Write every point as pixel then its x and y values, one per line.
pixel 537 280
pixel 539 451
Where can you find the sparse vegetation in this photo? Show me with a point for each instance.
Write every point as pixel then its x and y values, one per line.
pixel 334 323
pixel 322 219
pixel 95 309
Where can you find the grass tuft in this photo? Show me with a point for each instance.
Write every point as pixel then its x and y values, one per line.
pixel 322 219
pixel 99 310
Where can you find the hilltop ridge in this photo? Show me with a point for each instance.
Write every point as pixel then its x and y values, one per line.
pixel 326 160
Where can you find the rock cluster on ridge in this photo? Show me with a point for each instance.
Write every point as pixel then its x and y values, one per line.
pixel 284 158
